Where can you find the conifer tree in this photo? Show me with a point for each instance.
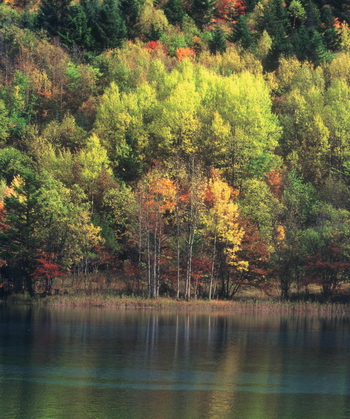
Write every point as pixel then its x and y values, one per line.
pixel 51 15
pixel 218 41
pixel 331 37
pixel 76 29
pixel 129 10
pixel 277 24
pixel 203 11
pixel 107 26
pixel 174 12
pixel 113 27
pixel 241 33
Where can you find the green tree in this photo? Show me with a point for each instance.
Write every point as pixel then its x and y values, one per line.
pixel 66 230
pixel 299 202
pixel 297 11
pixel 152 22
pixel 174 12
pixel 203 11
pixel 19 243
pixel 217 43
pixel 112 26
pixel 130 10
pixel 277 24
pixel 51 15
pixel 106 22
pixel 5 123
pixel 76 30
pixel 241 33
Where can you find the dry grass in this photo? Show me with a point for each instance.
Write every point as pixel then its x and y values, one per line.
pixel 95 292
pixel 236 305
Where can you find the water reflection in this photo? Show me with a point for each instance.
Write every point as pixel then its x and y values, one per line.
pixel 97 363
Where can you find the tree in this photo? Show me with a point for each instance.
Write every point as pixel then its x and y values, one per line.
pixel 337 120
pixel 241 33
pixel 93 161
pixel 76 30
pixel 203 11
pixel 48 270
pixel 222 225
pixel 217 43
pixel 130 11
pixel 5 123
pixel 107 25
pixel 174 12
pixel 152 22
pixel 112 26
pixel 299 201
pixel 66 232
pixel 155 201
pixel 297 12
pixel 328 268
pixel 121 130
pixel 277 24
pixel 51 15
pixel 19 243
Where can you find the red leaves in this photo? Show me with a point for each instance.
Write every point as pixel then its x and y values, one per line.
pixel 47 268
pixel 182 53
pixel 152 45
pixel 230 9
pixel 327 268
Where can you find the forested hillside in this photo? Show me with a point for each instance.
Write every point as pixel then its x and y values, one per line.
pixel 180 147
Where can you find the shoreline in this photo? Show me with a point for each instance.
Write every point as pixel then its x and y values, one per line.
pixel 166 303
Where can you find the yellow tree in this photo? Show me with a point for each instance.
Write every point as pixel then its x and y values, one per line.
pixel 222 226
pixel 93 161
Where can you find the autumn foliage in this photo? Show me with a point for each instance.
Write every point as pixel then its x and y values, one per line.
pixel 181 148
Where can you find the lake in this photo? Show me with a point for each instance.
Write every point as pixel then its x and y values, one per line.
pixel 104 363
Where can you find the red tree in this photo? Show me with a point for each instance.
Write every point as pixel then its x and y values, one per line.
pixel 328 268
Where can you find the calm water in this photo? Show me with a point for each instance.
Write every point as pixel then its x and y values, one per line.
pixel 95 363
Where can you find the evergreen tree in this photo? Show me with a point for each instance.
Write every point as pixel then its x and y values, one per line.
pixel 76 29
pixel 203 11
pixel 313 16
pixel 51 15
pixel 320 53
pixel 241 33
pixel 174 12
pixel 218 41
pixel 107 26
pixel 277 24
pixel 112 25
pixel 301 42
pixel 331 37
pixel 129 10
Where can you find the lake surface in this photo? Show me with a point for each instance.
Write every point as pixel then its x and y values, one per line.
pixel 99 363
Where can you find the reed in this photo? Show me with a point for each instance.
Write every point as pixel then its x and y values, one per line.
pixel 165 303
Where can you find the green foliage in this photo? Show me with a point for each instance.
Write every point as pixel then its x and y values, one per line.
pixel 217 43
pixel 174 12
pixel 19 243
pixel 51 15
pixel 5 123
pixel 241 33
pixel 203 11
pixel 130 11
pixel 101 141
pixel 13 163
pixel 76 30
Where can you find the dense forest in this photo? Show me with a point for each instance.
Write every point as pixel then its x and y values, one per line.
pixel 180 147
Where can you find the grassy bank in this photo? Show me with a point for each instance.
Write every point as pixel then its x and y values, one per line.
pixel 238 304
